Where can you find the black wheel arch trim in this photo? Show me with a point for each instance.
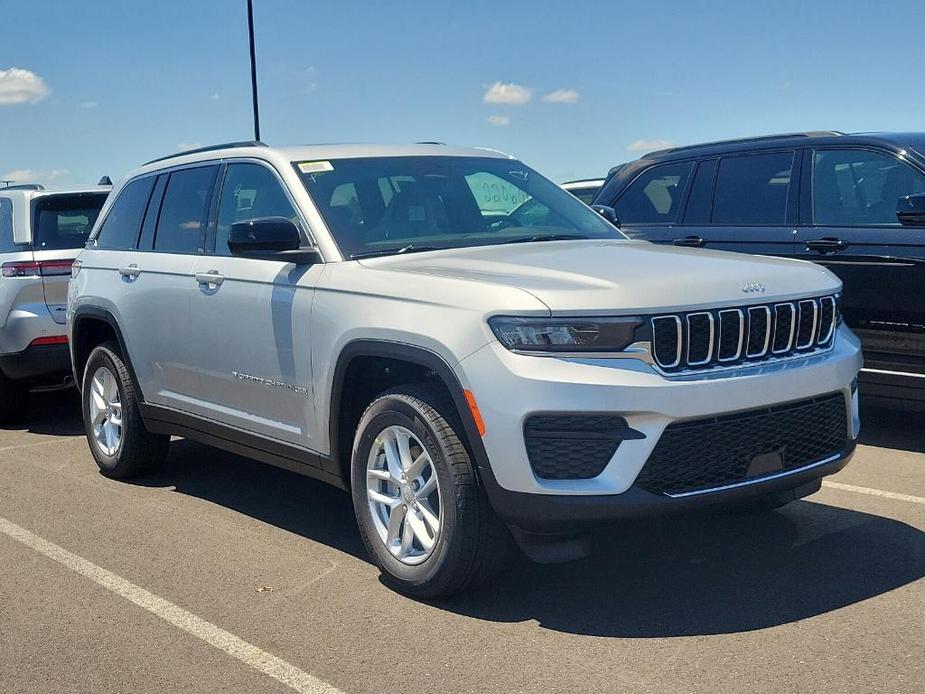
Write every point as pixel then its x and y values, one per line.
pixel 420 356
pixel 104 315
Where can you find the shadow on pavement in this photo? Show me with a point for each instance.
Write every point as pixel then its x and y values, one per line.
pixel 54 413
pixel 896 429
pixel 691 575
pixel 711 574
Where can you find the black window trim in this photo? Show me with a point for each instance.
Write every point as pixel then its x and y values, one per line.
pixel 807 219
pixel 692 161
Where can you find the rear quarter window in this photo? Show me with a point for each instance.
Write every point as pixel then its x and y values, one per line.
pixel 6 226
pixel 64 221
pixel 123 221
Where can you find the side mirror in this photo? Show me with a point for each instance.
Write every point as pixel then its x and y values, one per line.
pixel 607 213
pixel 270 238
pixel 910 210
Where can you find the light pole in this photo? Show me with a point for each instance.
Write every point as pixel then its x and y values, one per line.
pixel 250 32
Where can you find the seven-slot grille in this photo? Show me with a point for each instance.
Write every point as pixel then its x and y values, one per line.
pixel 725 337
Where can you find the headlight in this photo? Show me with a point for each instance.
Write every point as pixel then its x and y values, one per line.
pixel 565 334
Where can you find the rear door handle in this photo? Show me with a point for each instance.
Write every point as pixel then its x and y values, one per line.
pixel 210 278
pixel 692 241
pixel 130 272
pixel 827 245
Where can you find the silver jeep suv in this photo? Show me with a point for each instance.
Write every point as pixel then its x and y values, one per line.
pixel 41 232
pixel 399 322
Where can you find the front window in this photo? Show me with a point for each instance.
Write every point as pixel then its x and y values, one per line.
pixel 65 221
pixel 385 205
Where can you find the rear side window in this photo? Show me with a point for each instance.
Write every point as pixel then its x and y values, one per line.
pixel 65 221
pixel 6 226
pixel 120 228
pixel 701 197
pixel 860 188
pixel 655 196
pixel 185 210
pixel 753 190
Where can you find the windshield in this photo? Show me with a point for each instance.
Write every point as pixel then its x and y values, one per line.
pixel 65 221
pixel 385 205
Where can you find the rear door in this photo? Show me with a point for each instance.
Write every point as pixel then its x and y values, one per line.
pixel 60 227
pixel 651 203
pixel 744 202
pixel 849 225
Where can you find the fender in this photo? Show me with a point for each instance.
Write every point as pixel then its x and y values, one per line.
pixel 105 316
pixel 415 355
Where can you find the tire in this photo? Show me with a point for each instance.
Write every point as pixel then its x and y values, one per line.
pixel 138 452
pixel 13 400
pixel 471 543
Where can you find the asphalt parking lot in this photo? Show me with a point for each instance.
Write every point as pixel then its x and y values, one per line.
pixel 223 574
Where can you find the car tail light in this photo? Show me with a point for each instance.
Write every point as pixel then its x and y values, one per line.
pixel 49 340
pixel 36 268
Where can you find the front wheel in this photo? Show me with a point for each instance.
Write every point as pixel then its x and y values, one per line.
pixel 120 443
pixel 422 515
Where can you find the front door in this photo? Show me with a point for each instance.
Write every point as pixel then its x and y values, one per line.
pixel 252 318
pixel 850 227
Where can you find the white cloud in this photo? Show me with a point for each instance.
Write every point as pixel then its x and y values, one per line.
pixel 784 86
pixel 648 145
pixel 88 104
pixel 35 175
pixel 188 145
pixel 562 96
pixel 499 120
pixel 507 93
pixel 215 96
pixel 18 86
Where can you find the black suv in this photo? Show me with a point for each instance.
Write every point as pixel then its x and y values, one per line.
pixel 835 199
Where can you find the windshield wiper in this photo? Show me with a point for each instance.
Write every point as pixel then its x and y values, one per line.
pixel 410 248
pixel 548 237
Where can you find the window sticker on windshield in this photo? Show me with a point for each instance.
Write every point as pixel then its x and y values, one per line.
pixel 313 167
pixel 519 174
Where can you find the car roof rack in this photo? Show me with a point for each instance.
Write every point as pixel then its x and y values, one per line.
pixel 24 186
pixel 744 140
pixel 210 148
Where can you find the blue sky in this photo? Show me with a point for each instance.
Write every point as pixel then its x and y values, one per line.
pixel 102 86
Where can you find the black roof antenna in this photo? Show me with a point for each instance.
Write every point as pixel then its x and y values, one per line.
pixel 105 181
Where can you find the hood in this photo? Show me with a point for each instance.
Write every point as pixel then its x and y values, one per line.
pixel 581 277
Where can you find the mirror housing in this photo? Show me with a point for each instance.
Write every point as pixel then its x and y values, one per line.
pixel 270 238
pixel 607 213
pixel 910 210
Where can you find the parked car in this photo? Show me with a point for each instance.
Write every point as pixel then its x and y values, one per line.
pixel 826 197
pixel 40 234
pixel 372 316
pixel 585 189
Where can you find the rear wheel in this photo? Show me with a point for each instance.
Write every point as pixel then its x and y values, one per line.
pixel 119 441
pixel 422 515
pixel 13 400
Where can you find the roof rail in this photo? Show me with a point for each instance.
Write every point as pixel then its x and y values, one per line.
pixel 210 148
pixel 744 140
pixel 24 186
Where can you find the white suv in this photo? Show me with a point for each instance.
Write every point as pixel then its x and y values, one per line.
pixel 389 320
pixel 41 232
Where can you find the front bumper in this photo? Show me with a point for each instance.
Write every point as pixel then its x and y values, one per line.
pixel 509 388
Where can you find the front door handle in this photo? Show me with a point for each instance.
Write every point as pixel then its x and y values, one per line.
pixel 691 241
pixel 210 278
pixel 827 245
pixel 130 272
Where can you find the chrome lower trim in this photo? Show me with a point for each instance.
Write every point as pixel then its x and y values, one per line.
pixel 909 374
pixel 756 480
